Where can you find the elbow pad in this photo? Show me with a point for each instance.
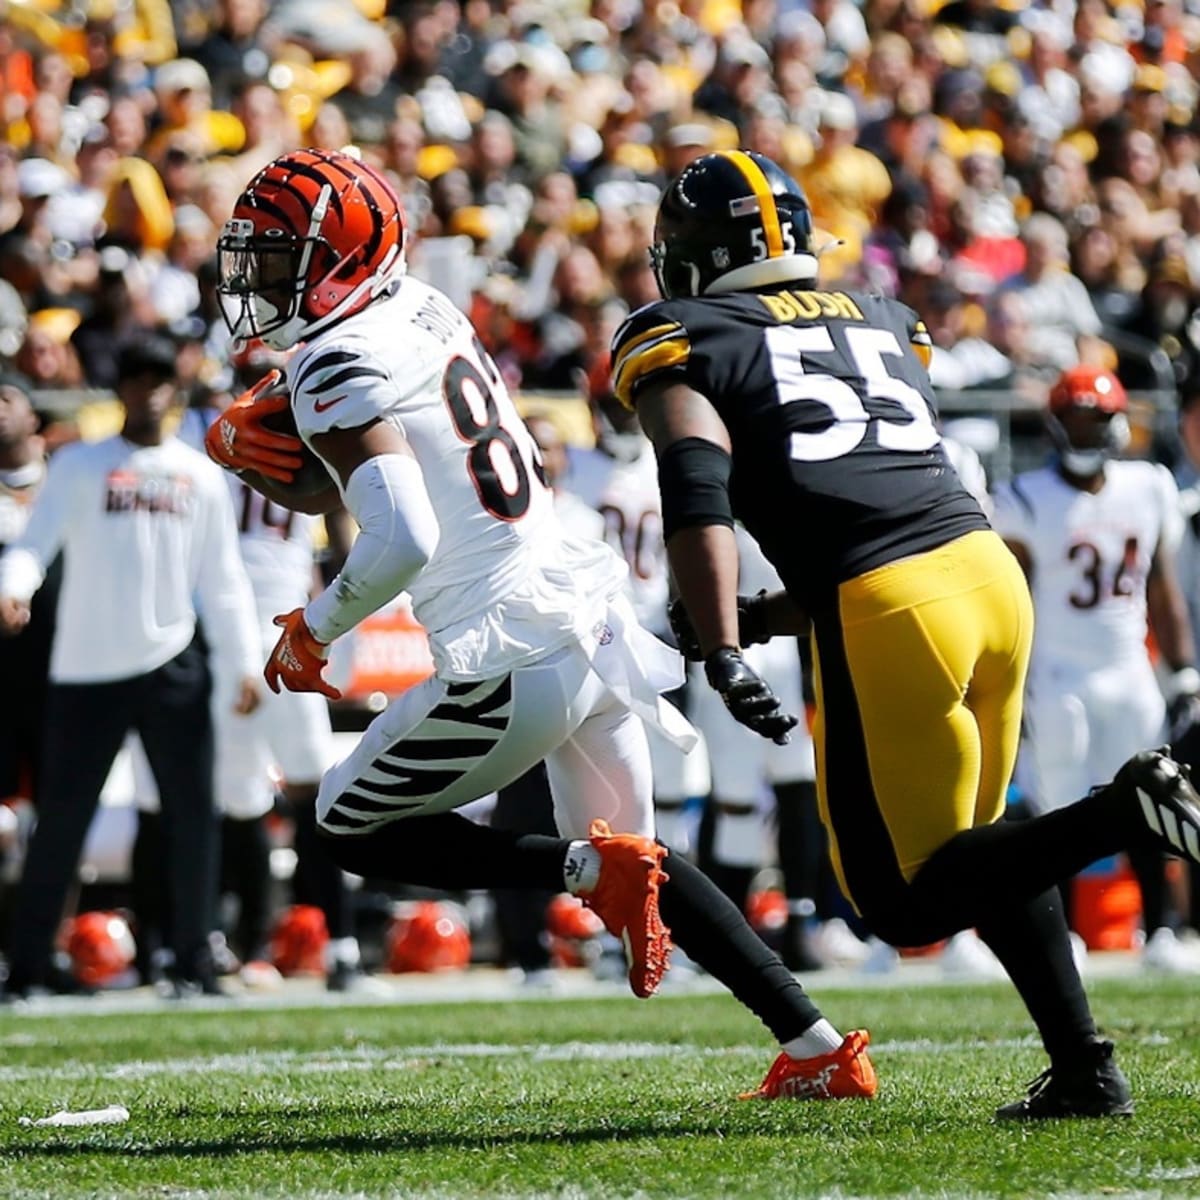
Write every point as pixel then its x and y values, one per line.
pixel 398 533
pixel 693 479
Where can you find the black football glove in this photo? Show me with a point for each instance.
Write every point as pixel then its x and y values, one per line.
pixel 747 695
pixel 752 625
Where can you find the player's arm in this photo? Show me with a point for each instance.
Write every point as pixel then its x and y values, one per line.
pixel 692 445
pixel 1021 552
pixel 1167 610
pixel 384 491
pixel 23 565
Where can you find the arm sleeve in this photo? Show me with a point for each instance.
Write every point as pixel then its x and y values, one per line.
pixel 1171 504
pixel 224 597
pixel 23 565
pixel 398 534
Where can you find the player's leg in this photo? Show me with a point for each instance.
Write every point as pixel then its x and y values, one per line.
pixel 175 724
pixel 916 778
pixel 245 794
pixel 604 768
pixel 737 766
pixel 85 725
pixel 300 742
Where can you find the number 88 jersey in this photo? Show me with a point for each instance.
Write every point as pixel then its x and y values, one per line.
pixel 412 359
pixel 837 463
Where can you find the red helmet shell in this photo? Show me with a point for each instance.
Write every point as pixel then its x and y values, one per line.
pixel 100 946
pixel 428 935
pixel 298 941
pixel 1088 387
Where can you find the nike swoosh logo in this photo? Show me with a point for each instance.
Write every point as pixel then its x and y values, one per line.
pixel 322 405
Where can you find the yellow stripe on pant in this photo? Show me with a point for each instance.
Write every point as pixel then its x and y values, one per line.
pixel 919 677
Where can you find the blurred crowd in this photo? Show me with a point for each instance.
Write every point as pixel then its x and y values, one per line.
pixel 1024 174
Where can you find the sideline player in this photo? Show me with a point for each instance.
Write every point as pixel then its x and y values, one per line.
pixel 537 655
pixel 1097 539
pixel 808 415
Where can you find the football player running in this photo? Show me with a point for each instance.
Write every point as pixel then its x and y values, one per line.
pixel 808 415
pixel 537 656
pixel 1097 538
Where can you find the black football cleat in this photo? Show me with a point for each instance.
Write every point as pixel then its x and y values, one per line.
pixel 1164 806
pixel 1095 1087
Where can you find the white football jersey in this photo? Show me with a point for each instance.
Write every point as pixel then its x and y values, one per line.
pixel 625 493
pixel 1091 556
pixel 505 585
pixel 277 545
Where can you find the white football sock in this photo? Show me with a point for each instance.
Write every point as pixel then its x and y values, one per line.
pixel 581 867
pixel 817 1039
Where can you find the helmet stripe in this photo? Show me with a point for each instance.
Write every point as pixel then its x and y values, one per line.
pixel 766 200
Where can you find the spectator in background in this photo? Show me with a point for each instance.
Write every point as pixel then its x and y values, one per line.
pixel 1055 303
pixel 145 525
pixel 121 307
pixel 232 54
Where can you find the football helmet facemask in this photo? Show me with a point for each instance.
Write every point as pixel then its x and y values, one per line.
pixel 729 221
pixel 1087 446
pixel 313 239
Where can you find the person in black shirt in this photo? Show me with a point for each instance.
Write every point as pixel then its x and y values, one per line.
pixel 807 414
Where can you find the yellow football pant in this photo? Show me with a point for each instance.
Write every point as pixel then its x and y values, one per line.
pixel 919 672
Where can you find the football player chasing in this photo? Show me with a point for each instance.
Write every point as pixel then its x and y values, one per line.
pixel 1097 539
pixel 808 416
pixel 537 654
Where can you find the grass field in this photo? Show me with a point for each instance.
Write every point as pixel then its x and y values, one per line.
pixel 575 1098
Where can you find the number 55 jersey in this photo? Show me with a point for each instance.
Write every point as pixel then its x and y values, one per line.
pixel 828 406
pixel 506 585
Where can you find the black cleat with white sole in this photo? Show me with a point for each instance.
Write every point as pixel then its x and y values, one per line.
pixel 1093 1087
pixel 1167 807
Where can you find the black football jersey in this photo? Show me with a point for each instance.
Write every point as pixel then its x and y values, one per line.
pixel 838 466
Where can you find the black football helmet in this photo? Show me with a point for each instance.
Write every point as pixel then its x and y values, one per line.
pixel 729 221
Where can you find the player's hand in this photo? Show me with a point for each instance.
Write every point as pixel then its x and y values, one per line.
pixel 249 696
pixel 747 695
pixel 298 658
pixel 239 442
pixel 752 625
pixel 14 616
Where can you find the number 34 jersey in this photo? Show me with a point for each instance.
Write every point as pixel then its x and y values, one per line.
pixel 1091 555
pixel 505 585
pixel 837 463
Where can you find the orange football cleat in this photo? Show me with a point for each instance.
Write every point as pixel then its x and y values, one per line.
pixel 626 900
pixel 844 1074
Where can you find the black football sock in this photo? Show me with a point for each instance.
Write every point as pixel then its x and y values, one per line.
pixel 1032 942
pixel 1150 868
pixel 801 839
pixel 981 871
pixel 712 931
pixel 449 852
pixel 246 871
pixel 318 879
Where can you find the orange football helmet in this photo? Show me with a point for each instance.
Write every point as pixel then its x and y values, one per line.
pixel 313 239
pixel 298 940
pixel 100 946
pixel 1092 440
pixel 427 935
pixel 573 931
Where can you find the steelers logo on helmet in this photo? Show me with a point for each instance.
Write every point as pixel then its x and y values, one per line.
pixel 1087 419
pixel 729 221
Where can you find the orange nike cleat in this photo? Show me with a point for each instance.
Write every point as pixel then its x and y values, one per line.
pixel 844 1074
pixel 626 900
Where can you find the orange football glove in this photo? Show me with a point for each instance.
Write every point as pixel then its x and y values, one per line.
pixel 238 441
pixel 298 658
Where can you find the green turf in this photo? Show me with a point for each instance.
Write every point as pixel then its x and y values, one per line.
pixel 584 1098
